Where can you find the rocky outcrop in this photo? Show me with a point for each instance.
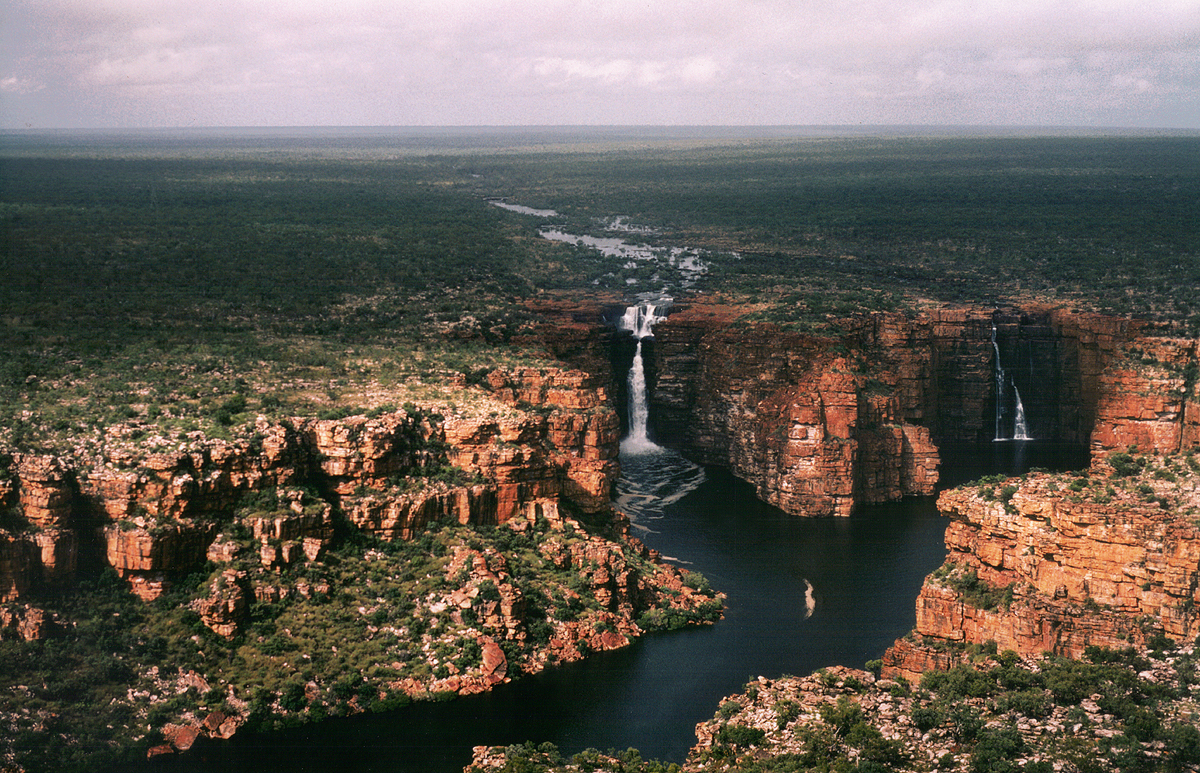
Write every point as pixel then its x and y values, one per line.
pixel 152 516
pixel 1058 563
pixel 1127 710
pixel 26 623
pixel 18 565
pixel 44 516
pixel 597 599
pixel 805 419
pixel 227 604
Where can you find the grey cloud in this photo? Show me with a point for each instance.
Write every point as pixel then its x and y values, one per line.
pixel 523 61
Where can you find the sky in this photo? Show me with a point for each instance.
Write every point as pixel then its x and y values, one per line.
pixel 197 63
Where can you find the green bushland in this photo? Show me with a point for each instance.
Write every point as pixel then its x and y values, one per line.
pixel 1148 722
pixel 833 226
pixel 154 290
pixel 181 286
pixel 974 591
pixel 185 293
pixel 347 629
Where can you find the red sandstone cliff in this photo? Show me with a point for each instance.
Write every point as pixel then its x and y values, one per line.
pixel 1057 563
pixel 551 436
pixel 819 423
pixel 1149 397
pixel 804 419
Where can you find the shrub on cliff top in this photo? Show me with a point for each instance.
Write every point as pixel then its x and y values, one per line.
pixel 997 751
pixel 1126 465
pixel 972 589
pixel 740 735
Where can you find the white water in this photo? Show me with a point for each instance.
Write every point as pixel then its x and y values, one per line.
pixel 999 388
pixel 652 481
pixel 1020 426
pixel 686 261
pixel 522 209
pixel 638 440
pixel 640 320
pixel 686 265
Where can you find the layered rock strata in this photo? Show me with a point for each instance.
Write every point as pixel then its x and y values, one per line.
pixel 818 423
pixel 1055 563
pixel 482 616
pixel 156 516
pixel 1149 397
pixel 800 417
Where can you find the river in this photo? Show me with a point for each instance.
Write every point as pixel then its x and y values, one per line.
pixel 801 594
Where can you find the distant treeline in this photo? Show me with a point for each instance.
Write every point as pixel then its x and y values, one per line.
pixel 157 238
pixel 1101 222
pixel 1109 221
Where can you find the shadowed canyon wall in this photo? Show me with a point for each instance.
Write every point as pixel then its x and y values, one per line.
pixel 820 423
pixel 1109 558
pixel 816 423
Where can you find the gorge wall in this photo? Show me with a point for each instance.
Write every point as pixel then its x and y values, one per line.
pixel 857 414
pixel 1058 563
pixel 862 413
pixel 1106 557
pixel 817 423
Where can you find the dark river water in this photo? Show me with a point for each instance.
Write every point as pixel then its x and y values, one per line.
pixel 801 594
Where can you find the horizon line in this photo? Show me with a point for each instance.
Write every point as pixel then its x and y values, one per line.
pixel 853 127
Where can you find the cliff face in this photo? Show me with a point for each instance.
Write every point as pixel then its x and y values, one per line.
pixel 241 534
pixel 802 418
pixel 1054 563
pixel 1149 397
pixel 155 516
pixel 858 414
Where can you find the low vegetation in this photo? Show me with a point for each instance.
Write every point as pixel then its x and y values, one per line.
pixel 156 293
pixel 1113 710
pixel 224 281
pixel 369 627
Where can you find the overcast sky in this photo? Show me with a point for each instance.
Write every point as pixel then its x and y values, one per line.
pixel 151 63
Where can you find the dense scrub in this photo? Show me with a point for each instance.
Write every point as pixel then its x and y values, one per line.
pixel 194 281
pixel 152 288
pixel 1114 710
pixel 372 626
pixel 837 225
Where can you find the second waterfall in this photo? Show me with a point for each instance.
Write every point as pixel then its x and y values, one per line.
pixel 640 321
pixel 1020 425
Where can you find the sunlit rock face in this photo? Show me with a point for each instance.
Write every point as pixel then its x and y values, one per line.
pixel 1046 566
pixel 152 516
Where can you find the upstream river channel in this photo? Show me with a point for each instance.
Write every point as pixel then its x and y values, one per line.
pixel 801 594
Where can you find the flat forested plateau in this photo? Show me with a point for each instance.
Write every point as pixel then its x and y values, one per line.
pixel 260 265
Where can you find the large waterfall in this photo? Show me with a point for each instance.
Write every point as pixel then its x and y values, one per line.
pixel 640 320
pixel 653 478
pixel 1020 426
